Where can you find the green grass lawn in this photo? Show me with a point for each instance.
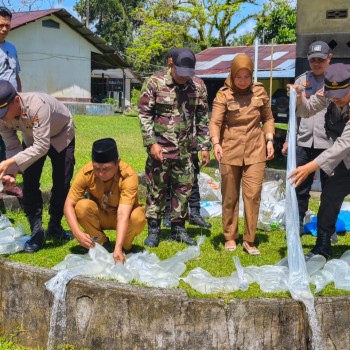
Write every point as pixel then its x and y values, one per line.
pixel 213 257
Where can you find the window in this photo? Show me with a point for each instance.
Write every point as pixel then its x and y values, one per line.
pixel 335 14
pixel 49 23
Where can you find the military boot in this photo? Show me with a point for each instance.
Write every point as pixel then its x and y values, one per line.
pixel 37 238
pixel 179 233
pixel 56 231
pixel 322 247
pixel 197 219
pixel 152 239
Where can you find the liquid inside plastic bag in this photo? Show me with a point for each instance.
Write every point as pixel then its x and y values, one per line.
pixel 12 240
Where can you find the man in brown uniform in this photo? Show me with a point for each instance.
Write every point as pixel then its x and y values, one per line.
pixel 47 130
pixel 112 187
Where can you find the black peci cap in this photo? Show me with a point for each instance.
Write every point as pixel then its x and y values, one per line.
pixel 337 80
pixel 104 151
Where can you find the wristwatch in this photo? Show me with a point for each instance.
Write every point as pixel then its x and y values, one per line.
pixel 269 139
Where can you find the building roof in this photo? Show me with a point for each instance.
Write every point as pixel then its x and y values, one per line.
pixel 109 58
pixel 215 62
pixel 116 74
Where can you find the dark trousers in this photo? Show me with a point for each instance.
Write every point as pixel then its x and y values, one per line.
pixel 336 189
pixel 305 155
pixel 62 172
pixel 195 198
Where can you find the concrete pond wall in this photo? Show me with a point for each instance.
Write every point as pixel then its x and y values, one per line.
pixel 109 315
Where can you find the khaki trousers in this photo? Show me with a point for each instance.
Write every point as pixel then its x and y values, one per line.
pixel 94 220
pixel 252 177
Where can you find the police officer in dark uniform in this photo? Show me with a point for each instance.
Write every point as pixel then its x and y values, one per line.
pixel 335 161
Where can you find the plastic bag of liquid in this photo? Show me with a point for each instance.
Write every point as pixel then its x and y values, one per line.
pixel 346 257
pixel 320 279
pixel 13 246
pixel 118 272
pixel 10 232
pixel 211 209
pixel 272 191
pixel 4 222
pixel 209 189
pixel 298 277
pixel 272 278
pixel 315 263
pixel 271 215
pixel 71 260
pixel 243 283
pixel 203 282
pixel 101 255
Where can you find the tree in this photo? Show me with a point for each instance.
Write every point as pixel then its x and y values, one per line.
pixel 277 23
pixel 112 19
pixel 197 24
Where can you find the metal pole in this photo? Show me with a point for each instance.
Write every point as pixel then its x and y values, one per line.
pixel 256 51
pixel 271 71
pixel 87 13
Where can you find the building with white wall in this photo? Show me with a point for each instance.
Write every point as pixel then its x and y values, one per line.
pixel 57 54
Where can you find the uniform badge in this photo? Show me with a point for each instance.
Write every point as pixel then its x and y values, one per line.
pixel 320 92
pixel 306 83
pixel 36 122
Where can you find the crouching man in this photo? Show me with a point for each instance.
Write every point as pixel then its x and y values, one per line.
pixel 103 196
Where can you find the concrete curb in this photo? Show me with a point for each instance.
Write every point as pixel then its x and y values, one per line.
pixel 110 315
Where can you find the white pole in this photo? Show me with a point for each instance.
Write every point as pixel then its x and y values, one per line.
pixel 256 41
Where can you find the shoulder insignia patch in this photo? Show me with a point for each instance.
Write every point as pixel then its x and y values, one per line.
pixel 36 122
pixel 306 83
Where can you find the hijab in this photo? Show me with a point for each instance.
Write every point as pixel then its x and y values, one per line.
pixel 240 61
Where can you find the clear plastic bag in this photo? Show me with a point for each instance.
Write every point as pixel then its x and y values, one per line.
pixel 209 189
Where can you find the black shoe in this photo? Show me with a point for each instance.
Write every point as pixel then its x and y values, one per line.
pixel 109 246
pixel 35 243
pixel 152 239
pixel 179 234
pixel 37 238
pixel 57 232
pixel 197 219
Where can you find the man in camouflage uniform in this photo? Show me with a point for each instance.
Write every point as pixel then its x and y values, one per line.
pixel 173 110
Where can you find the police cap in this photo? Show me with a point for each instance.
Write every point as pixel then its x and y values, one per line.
pixel 337 80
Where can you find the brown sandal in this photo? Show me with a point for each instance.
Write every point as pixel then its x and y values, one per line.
pixel 250 250
pixel 230 245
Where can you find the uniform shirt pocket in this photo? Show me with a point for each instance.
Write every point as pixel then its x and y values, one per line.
pixel 164 103
pixel 257 102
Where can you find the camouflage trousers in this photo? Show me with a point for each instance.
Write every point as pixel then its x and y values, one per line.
pixel 178 172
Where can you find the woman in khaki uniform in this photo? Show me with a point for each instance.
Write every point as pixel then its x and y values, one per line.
pixel 242 146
